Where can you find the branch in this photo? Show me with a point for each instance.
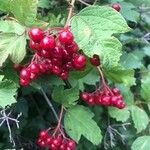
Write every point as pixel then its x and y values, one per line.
pixel 83 2
pixel 50 104
pixel 70 12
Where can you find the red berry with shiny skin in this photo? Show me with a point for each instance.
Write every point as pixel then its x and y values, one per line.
pixel 79 62
pixel 25 74
pixel 64 75
pixel 65 37
pixel 33 76
pixel 72 48
pixel 45 53
pixel 71 144
pixel 57 52
pixel 24 82
pixel 41 143
pixel 36 34
pixel 116 6
pixel 47 43
pixel 43 134
pixel 84 96
pixel 34 46
pixel 34 68
pixel 115 91
pixel 53 147
pixel 106 100
pixel 120 104
pixel 95 61
pixel 114 100
pixel 56 70
pixel 48 141
pixel 63 146
pixel 91 101
pixel 57 141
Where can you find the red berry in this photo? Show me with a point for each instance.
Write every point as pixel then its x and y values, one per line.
pixel 95 60
pixel 43 134
pixel 57 141
pixel 34 46
pixel 45 53
pixel 36 34
pixel 41 143
pixel 119 97
pixel 56 70
pixel 79 62
pixel 66 56
pixel 47 43
pixel 53 147
pixel 42 68
pixel 48 141
pixel 114 100
pixel 71 144
pixel 17 67
pixel 57 61
pixel 91 101
pixel 65 37
pixel 106 100
pixel 64 75
pixel 84 96
pixel 57 52
pixel 67 66
pixel 24 82
pixel 25 74
pixel 72 48
pixel 115 91
pixel 33 76
pixel 116 6
pixel 63 146
pixel 34 68
pixel 120 104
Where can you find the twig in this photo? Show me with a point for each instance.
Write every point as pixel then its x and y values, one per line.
pixel 50 104
pixel 70 12
pixel 67 84
pixel 83 2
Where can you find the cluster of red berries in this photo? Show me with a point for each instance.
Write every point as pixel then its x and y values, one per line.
pixel 116 6
pixel 111 97
pixel 55 142
pixel 55 53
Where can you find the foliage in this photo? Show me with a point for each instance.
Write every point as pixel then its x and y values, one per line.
pixel 120 39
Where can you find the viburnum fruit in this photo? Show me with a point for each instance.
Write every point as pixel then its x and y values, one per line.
pixel 55 53
pixel 116 6
pixel 79 61
pixel 95 61
pixel 36 34
pixel 65 37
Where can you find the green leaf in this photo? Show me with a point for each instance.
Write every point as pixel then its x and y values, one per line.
pixel 119 114
pixel 44 3
pixel 145 86
pixel 24 10
pixel 135 59
pixel 141 143
pixel 93 28
pixel 121 75
pixel 8 90
pixel 4 5
pixel 139 118
pixel 12 45
pixel 128 10
pixel 66 97
pixel 8 26
pixel 78 121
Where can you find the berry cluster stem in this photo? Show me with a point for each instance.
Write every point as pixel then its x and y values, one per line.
pixel 50 104
pixel 103 79
pixel 71 7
